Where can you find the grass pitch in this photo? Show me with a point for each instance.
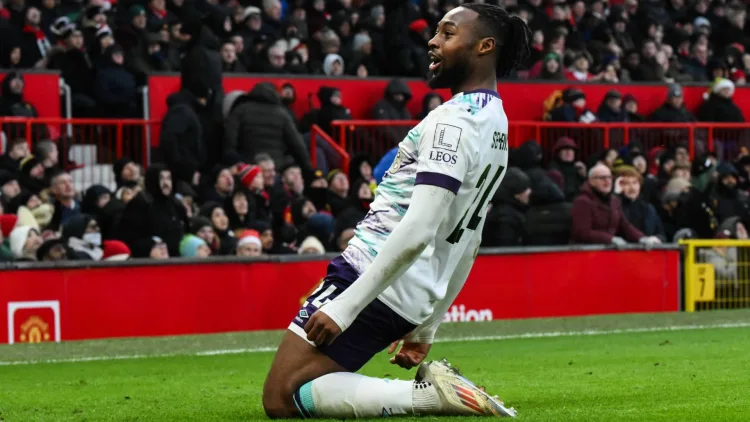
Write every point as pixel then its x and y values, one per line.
pixel 666 367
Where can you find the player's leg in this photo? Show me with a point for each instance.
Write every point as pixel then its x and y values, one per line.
pixel 296 362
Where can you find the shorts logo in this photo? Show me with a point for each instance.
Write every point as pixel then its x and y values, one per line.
pixel 303 314
pixel 446 137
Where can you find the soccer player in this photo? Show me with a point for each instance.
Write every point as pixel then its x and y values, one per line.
pixel 412 253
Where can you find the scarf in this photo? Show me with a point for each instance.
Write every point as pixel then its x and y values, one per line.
pixel 41 40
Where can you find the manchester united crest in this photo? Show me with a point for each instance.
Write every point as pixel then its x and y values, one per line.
pixel 34 330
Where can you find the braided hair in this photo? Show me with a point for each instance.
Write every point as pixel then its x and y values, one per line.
pixel 511 35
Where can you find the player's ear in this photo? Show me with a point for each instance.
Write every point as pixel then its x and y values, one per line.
pixel 486 46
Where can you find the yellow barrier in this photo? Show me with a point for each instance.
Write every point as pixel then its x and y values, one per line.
pixel 717 274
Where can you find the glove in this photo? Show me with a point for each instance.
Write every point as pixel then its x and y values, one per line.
pixel 649 240
pixel 619 241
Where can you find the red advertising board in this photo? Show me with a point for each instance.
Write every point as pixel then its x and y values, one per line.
pixel 156 300
pixel 524 101
pixel 43 91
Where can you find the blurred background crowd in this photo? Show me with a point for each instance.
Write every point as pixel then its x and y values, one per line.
pixel 233 176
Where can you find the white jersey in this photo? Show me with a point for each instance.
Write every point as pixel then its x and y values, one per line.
pixel 461 146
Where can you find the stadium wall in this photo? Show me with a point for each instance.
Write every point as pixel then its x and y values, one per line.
pixel 148 298
pixel 42 89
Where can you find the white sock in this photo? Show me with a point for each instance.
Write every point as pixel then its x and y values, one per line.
pixel 344 395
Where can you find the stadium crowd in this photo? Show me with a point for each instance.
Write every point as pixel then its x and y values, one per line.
pixel 234 175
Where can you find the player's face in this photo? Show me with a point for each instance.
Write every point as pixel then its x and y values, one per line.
pixel 450 49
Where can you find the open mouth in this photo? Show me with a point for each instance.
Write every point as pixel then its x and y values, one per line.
pixel 434 64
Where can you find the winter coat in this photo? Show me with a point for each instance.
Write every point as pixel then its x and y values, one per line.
pixel 115 87
pixel 597 219
pixel 181 139
pixel 669 114
pixel 572 180
pixel 261 125
pixel 505 222
pixel 643 217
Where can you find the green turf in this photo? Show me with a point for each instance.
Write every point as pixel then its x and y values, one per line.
pixel 668 375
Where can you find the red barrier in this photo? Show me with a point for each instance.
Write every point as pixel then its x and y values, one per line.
pixel 523 100
pixel 43 91
pixel 376 137
pixel 343 158
pixel 174 299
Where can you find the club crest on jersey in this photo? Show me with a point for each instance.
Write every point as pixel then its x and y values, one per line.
pixel 446 137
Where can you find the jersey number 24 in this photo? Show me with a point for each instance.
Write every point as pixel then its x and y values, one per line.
pixel 456 234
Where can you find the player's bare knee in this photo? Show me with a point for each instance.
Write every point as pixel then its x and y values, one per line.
pixel 277 399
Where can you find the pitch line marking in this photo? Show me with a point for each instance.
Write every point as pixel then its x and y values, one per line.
pixel 551 334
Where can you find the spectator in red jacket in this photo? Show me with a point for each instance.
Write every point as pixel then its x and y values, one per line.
pixel 597 214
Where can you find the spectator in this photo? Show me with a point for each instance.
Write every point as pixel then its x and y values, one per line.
pixel 240 209
pixel 182 137
pixel 202 227
pixel 132 36
pixel 219 221
pixel 54 250
pixel 12 104
pixel 115 87
pixel 638 212
pixel 93 20
pixel 529 158
pixel 17 149
pixel 201 63
pixel 719 106
pixel 611 111
pixel 573 108
pixel 221 185
pixel 262 125
pixel 695 64
pixel 266 235
pixel 24 243
pixel 649 70
pixel 33 42
pixel 393 105
pixel 150 247
pixel 76 68
pixel 630 104
pixel 506 220
pixel 276 60
pixel 84 237
pixel 32 175
pixel 552 69
pixel 311 246
pixel 673 110
pixel 158 15
pixel 126 170
pixel 430 101
pixel 363 61
pixel 249 244
pixel 9 187
pixel 229 60
pixel 333 65
pixel 49 155
pixel 572 171
pixel 64 194
pixel 729 200
pixel 338 187
pixel 192 246
pixel 597 214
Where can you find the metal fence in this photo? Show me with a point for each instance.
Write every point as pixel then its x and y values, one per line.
pixel 717 274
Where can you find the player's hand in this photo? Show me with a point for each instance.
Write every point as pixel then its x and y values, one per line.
pixel 410 354
pixel 321 329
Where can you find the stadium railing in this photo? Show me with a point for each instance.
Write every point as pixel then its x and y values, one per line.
pixel 86 147
pixel 337 153
pixel 375 137
pixel 716 274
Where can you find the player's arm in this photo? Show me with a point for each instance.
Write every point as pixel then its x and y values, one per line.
pixel 437 182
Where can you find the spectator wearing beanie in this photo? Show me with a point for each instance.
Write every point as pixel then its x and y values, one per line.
pixel 114 250
pixel 610 110
pixel 564 161
pixel 54 250
pixel 219 221
pixel 630 105
pixel 220 185
pixel 9 187
pixel 249 244
pixel 202 227
pixel 673 110
pixel 363 57
pixel 506 221
pixel 150 247
pixel 24 242
pixel 311 246
pixel 573 108
pixel 639 213
pixel 201 64
pixel 252 178
pixel 32 175
pixel 719 106
pixel 193 246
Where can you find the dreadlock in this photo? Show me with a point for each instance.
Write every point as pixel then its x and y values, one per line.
pixel 511 35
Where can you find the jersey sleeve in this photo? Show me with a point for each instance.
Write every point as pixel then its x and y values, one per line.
pixel 444 150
